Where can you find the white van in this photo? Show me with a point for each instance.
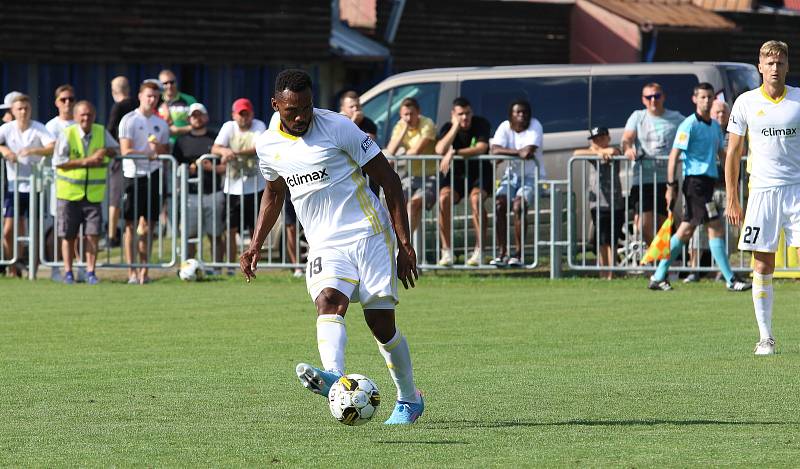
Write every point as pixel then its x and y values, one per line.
pixel 567 99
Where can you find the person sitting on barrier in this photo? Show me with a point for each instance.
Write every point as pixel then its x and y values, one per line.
pixel 648 135
pixel 23 143
pixel 520 136
pixel 82 153
pixel 604 190
pixel 235 143
pixel 698 142
pixel 415 134
pixel 188 149
pixel 467 136
pixel 142 132
pixel 123 104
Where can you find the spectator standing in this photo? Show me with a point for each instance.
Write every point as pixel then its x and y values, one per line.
pixel 142 132
pixel 648 135
pixel 23 143
pixel 123 104
pixel 81 157
pixel 698 142
pixel 175 106
pixel 415 134
pixel 350 106
pixel 188 148
pixel 520 136
pixel 235 144
pixel 466 136
pixel 605 196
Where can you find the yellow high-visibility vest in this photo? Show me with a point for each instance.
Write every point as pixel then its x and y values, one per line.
pixel 75 184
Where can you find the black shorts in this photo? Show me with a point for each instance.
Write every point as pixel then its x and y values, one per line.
pixel 699 206
pixel 249 204
pixel 142 197
pixel 605 235
pixel 484 182
pixel 24 204
pixel 647 198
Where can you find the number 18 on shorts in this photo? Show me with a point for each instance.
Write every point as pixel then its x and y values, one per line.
pixel 768 212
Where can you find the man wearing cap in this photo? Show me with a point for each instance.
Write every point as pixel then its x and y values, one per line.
pixel 142 132
pixel 23 143
pixel 175 108
pixel 605 196
pixel 188 148
pixel 698 144
pixel 235 144
pixel 5 108
pixel 81 156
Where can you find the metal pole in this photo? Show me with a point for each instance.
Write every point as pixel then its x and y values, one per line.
pixel 556 203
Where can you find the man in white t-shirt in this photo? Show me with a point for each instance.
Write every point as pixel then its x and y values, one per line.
pixel 317 156
pixel 142 132
pixel 235 144
pixel 520 136
pixel 769 117
pixel 23 143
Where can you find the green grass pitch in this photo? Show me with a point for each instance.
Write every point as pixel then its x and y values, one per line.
pixel 516 372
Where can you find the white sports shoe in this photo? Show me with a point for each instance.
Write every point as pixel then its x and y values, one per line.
pixel 298 273
pixel 476 258
pixel 765 347
pixel 447 258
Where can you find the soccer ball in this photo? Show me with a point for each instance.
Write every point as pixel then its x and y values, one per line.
pixel 354 399
pixel 191 270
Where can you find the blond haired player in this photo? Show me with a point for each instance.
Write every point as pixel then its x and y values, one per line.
pixel 770 118
pixel 317 156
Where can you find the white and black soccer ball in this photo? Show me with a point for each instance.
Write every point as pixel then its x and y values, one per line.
pixel 191 270
pixel 354 399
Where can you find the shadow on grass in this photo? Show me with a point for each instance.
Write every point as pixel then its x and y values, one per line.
pixel 598 423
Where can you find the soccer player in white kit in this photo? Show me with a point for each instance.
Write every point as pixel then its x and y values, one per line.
pixel 770 118
pixel 317 155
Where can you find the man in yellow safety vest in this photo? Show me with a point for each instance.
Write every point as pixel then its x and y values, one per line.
pixel 80 159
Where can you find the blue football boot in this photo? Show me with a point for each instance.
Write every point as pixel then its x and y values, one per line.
pixel 406 413
pixel 316 380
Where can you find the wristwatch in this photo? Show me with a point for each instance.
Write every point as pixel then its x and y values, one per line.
pixel 672 184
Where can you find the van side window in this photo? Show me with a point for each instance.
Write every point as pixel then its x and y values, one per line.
pixel 560 103
pixel 615 97
pixel 740 79
pixel 383 109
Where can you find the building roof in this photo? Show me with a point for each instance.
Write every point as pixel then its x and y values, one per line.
pixel 351 44
pixel 666 13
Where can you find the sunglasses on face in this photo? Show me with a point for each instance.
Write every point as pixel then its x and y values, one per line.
pixel 67 99
pixel 168 82
pixel 652 96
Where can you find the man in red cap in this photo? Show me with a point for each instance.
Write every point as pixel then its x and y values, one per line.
pixel 235 144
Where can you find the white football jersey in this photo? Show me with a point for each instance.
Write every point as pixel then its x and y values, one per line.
pixel 323 172
pixel 772 128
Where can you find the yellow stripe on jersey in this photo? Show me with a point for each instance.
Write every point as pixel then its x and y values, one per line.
pixel 284 134
pixel 774 101
pixel 363 198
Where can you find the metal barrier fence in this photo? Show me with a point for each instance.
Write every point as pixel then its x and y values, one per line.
pixel 18 229
pixel 595 205
pixel 203 220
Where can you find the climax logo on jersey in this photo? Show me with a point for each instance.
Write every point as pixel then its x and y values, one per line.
pixel 773 132
pixel 366 143
pixel 313 176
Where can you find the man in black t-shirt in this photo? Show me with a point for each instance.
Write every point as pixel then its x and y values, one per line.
pixel 123 104
pixel 188 148
pixel 350 106
pixel 465 136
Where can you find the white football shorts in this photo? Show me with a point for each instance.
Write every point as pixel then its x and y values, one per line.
pixel 768 212
pixel 365 271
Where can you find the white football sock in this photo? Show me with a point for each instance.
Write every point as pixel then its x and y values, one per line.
pixel 398 360
pixel 331 341
pixel 762 303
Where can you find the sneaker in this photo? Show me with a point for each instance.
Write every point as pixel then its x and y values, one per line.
pixel 765 347
pixel 662 285
pixel 691 278
pixel 476 258
pixel 501 261
pixel 133 280
pixel 406 413
pixel 447 258
pixel 515 261
pixel 316 380
pixel 737 284
pixel 69 279
pixel 298 273
pixel 91 278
